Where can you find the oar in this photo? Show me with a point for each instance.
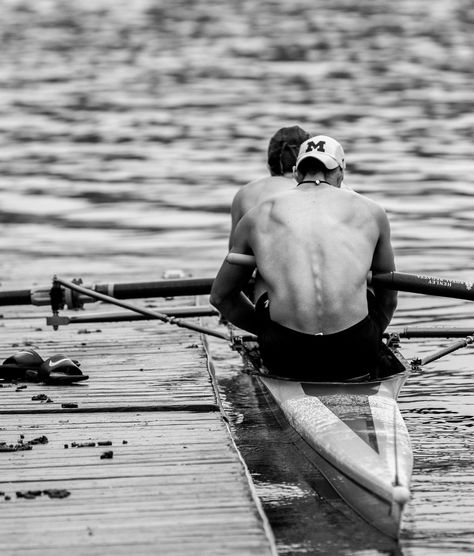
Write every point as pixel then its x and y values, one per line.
pixel 428 285
pixel 440 332
pixel 54 321
pixel 415 283
pixel 131 290
pixel 116 316
pixel 419 362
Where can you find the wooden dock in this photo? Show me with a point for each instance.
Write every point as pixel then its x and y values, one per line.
pixel 145 463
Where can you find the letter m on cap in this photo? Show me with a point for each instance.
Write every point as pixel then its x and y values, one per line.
pixel 319 146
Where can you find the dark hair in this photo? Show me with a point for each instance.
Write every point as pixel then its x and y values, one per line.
pixel 311 166
pixel 283 149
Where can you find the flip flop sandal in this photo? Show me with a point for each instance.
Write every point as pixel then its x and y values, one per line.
pixel 59 369
pixel 28 365
pixel 24 365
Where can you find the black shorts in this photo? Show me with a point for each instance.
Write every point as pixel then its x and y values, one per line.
pixel 330 357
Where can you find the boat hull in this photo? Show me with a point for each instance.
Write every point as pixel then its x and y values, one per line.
pixel 355 435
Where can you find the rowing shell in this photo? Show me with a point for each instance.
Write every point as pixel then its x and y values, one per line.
pixel 355 435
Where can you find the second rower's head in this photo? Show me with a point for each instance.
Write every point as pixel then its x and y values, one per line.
pixel 283 149
pixel 320 157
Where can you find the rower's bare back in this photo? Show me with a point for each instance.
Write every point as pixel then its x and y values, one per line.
pixel 314 249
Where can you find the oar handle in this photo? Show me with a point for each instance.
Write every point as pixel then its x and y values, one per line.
pixel 240 259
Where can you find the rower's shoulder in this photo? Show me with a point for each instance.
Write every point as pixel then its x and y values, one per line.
pixel 266 186
pixel 258 191
pixel 363 204
pixel 370 203
pixel 246 196
pixel 261 210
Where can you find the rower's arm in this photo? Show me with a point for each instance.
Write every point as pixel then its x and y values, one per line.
pixel 227 296
pixel 236 214
pixel 226 293
pixel 384 261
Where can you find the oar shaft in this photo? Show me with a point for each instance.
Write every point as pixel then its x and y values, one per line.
pixel 448 349
pixel 204 311
pixel 15 297
pixel 161 288
pixel 419 332
pixel 429 285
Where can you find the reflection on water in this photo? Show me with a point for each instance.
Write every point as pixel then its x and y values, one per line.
pixel 127 127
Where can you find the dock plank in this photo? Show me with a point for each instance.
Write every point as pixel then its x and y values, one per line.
pixel 141 371
pixel 176 484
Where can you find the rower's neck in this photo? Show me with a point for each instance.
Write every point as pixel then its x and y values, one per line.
pixel 319 178
pixel 313 182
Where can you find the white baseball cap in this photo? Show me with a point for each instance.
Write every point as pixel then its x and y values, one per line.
pixel 323 148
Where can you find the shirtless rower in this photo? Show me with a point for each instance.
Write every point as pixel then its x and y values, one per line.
pixel 314 246
pixel 281 158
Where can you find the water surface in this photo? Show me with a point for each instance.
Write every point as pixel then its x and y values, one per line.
pixel 127 127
